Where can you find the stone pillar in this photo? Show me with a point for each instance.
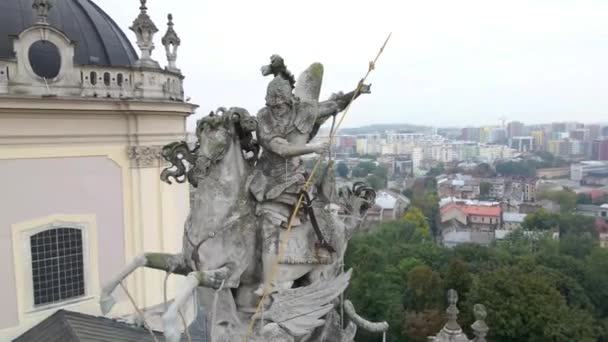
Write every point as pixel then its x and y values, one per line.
pixel 171 42
pixel 3 78
pixel 158 218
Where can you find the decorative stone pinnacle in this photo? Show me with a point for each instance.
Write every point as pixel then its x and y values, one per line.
pixel 171 42
pixel 480 328
pixel 144 30
pixel 451 331
pixel 452 311
pixel 42 8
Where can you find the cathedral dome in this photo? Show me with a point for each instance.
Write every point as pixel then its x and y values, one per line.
pixel 98 39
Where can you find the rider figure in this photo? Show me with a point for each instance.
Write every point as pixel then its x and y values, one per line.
pixel 285 128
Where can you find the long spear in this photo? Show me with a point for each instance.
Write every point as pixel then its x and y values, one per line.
pixel 275 266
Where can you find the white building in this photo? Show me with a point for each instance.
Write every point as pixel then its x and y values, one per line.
pixel 580 170
pixel 82 123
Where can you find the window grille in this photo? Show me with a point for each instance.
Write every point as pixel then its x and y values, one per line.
pixel 57 265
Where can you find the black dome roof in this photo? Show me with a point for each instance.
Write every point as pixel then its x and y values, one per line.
pixel 98 39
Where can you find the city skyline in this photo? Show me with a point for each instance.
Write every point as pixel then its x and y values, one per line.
pixel 448 63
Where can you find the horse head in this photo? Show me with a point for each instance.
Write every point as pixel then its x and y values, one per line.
pixel 218 134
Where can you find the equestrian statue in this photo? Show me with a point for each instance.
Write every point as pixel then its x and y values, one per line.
pixel 248 175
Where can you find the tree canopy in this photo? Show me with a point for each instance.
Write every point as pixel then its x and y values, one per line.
pixel 534 288
pixel 342 169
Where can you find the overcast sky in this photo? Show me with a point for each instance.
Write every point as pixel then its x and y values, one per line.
pixel 449 63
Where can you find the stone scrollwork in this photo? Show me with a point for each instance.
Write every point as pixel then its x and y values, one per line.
pixel 145 156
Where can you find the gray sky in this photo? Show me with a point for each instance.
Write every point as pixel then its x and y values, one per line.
pixel 465 62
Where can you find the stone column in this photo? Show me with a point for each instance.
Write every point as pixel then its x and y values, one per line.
pixel 158 218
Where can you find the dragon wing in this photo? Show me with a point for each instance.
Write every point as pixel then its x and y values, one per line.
pixel 301 309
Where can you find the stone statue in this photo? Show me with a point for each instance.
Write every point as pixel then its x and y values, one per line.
pixel 245 191
pixel 285 128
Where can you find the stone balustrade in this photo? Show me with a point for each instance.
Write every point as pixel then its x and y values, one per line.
pixel 96 82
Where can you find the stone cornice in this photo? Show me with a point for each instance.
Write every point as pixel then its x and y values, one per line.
pixel 12 104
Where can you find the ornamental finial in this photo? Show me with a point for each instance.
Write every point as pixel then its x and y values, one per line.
pixel 145 29
pixel 42 7
pixel 480 328
pixel 171 42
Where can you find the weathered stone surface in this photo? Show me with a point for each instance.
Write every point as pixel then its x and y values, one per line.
pixel 145 156
pixel 244 193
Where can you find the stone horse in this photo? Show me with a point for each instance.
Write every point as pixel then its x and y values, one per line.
pixel 221 245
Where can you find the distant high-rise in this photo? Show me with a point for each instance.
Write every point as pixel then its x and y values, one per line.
pixel 470 134
pixel 539 140
pixel 594 131
pixel 560 148
pixel 498 135
pixel 599 149
pixel 522 144
pixel 581 134
pixel 484 134
pixel 558 127
pixel 515 129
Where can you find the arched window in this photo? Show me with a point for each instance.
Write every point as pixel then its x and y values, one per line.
pixel 93 77
pixel 119 80
pixel 106 79
pixel 57 265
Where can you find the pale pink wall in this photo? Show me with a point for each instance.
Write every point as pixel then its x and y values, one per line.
pixel 33 188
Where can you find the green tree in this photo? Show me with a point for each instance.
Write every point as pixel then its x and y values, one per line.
pixel 424 289
pixel 525 306
pixel 484 189
pixel 535 288
pixel 526 168
pixel 596 280
pixel 342 169
pixel 359 172
pixel 565 198
pixel 416 217
pixel 418 326
pixel 583 198
pixel 458 277
pixel 576 224
pixel 541 220
pixel 381 172
pixel 436 171
pixel 367 166
pixel 376 182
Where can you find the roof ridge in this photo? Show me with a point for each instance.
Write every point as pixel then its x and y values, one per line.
pixel 64 314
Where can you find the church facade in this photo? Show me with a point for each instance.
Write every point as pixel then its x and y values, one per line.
pixel 82 122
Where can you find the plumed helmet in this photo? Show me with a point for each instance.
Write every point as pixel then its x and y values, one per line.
pixel 279 92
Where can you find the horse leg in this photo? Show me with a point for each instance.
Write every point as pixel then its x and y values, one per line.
pixel 212 278
pixel 173 263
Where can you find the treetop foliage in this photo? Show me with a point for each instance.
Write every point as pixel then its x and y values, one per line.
pixel 535 288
